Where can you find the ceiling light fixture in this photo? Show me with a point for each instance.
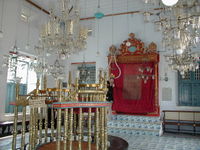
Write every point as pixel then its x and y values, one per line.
pixel 63 34
pixel 169 2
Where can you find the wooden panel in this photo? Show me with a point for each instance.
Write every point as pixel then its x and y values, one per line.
pixel 197 116
pixel 186 116
pixel 189 89
pixel 171 115
pixel 185 93
pixel 195 94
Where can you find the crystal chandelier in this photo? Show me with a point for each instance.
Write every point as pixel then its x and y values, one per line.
pixel 184 62
pixel 63 34
pixel 180 26
pixel 39 66
pixel 11 60
pixel 56 70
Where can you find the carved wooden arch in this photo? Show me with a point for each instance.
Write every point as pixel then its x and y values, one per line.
pixel 133 50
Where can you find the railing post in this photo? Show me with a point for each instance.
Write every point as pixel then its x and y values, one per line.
pixel 58 141
pixel 15 117
pixel 23 127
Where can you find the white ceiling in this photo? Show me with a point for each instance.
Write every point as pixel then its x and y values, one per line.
pixel 89 7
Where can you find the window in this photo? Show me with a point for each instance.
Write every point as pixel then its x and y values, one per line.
pixel 19 67
pixel 87 73
pixel 189 89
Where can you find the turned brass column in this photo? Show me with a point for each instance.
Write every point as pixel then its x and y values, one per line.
pixel 58 141
pixel 15 118
pixel 71 128
pixel 66 122
pixel 23 127
pixel 97 129
pixel 80 129
pixel 89 129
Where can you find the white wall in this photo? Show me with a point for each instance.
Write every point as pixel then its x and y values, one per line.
pixel 14 28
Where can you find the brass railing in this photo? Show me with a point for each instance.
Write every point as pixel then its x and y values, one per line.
pixel 66 126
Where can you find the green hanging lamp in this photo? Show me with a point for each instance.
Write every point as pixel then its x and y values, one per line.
pixel 99 14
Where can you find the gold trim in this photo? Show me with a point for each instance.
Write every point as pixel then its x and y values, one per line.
pixel 89 85
pixel 137 58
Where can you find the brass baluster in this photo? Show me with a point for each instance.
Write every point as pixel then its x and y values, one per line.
pixel 23 127
pixel 71 129
pixel 87 97
pixel 102 129
pixel 90 97
pixel 46 124
pixel 15 118
pixel 80 129
pixel 58 141
pixel 97 129
pixel 105 129
pixel 31 129
pixel 52 123
pixel 74 120
pixel 89 129
pixel 76 89
pixel 45 81
pixel 81 98
pixel 36 126
pixel 40 125
pixel 65 129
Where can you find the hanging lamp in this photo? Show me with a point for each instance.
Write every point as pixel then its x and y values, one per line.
pixel 169 2
pixel 99 14
pixel 27 47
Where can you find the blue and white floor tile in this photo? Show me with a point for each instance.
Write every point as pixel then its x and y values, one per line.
pixel 165 142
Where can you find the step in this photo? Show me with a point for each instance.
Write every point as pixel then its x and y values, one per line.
pixel 134 125
pixel 135 118
pixel 131 131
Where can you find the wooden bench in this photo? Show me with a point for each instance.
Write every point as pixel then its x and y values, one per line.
pixel 6 127
pixel 181 121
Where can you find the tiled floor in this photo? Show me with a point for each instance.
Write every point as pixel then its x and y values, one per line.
pixel 165 142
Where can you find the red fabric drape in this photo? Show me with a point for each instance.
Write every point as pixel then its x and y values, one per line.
pixel 145 103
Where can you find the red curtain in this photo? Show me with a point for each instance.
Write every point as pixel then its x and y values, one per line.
pixel 131 93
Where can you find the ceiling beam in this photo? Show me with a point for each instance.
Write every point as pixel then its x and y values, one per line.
pixel 38 6
pixel 89 18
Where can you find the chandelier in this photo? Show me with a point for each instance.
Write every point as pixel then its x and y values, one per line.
pixel 63 34
pixel 180 26
pixel 40 67
pixel 187 61
pixel 56 70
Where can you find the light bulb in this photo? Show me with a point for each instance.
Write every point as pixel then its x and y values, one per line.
pixel 169 2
